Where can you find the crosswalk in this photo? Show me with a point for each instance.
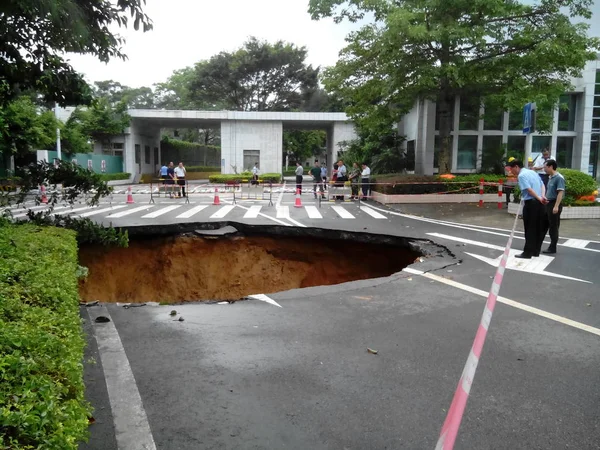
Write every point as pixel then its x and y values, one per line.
pixel 163 212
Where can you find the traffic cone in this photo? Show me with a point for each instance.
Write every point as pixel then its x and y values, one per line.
pixel 43 192
pixel 217 200
pixel 298 203
pixel 129 196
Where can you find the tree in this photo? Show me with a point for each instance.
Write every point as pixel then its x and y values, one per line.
pixel 36 34
pixel 100 121
pixel 25 127
pixel 257 77
pixel 303 144
pixel 115 93
pixel 175 92
pixel 495 50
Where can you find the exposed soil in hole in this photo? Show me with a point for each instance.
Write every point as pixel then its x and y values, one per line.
pixel 194 268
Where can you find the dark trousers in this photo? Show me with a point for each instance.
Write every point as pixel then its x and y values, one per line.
pixel 299 182
pixel 533 221
pixel 544 178
pixel 365 186
pixel 181 182
pixel 552 224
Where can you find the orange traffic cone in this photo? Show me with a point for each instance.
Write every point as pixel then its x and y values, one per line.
pixel 298 203
pixel 43 192
pixel 129 196
pixel 217 200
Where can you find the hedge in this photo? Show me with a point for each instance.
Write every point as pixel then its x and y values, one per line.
pixel 419 184
pixel 203 169
pixel 115 176
pixel 41 341
pixel 244 177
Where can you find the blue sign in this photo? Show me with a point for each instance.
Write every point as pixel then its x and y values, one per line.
pixel 527 119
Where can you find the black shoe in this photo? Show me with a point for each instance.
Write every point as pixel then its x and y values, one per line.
pixel 535 255
pixel 550 251
pixel 523 256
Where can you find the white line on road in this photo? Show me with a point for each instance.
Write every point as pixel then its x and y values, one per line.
pixel 283 212
pixel 100 211
pixel 342 212
pixel 132 430
pixel 160 212
pixel 278 202
pixel 18 216
pixel 265 216
pixel 253 212
pixel 507 301
pixel 467 241
pixel 264 298
pixel 222 212
pixel 575 243
pixel 125 213
pixel 76 210
pixel 313 212
pixel 372 212
pixel 191 212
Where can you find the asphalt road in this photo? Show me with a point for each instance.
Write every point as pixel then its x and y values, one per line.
pixel 253 375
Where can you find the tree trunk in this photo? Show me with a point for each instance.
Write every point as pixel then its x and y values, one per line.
pixel 445 106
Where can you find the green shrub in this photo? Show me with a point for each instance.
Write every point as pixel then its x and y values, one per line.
pixel 289 173
pixel 244 177
pixel 42 401
pixel 419 184
pixel 577 184
pixel 202 169
pixel 115 176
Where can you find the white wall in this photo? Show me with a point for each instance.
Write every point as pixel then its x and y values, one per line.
pixel 134 137
pixel 240 135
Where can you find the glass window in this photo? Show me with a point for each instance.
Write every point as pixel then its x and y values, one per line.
pixel 137 153
pixel 467 152
pixel 567 106
pixel 594 149
pixel 155 155
pixel 147 154
pixel 492 153
pixel 539 143
pixel 469 113
pixel 597 76
pixel 515 120
pixel 596 113
pixel 564 151
pixel 596 124
pixel 117 146
pixel 515 146
pixel 436 151
pixel 493 117
pixel 597 100
pixel 437 116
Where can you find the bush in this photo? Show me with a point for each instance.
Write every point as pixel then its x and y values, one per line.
pixel 418 184
pixel 244 177
pixel 115 176
pixel 203 169
pixel 577 184
pixel 289 173
pixel 41 340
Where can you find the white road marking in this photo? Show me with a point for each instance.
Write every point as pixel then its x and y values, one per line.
pixel 283 212
pixel 466 241
pixel 222 212
pixel 342 212
pixel 507 301
pixel 160 212
pixel 295 222
pixel 100 211
pixel 313 212
pixel 132 430
pixel 575 243
pixel 372 212
pixel 266 216
pixel 75 210
pixel 264 298
pixel 252 213
pixel 189 213
pixel 278 202
pixel 128 212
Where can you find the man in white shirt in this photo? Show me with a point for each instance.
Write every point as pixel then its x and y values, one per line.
pixel 180 174
pixel 299 177
pixel 365 179
pixel 255 173
pixel 540 163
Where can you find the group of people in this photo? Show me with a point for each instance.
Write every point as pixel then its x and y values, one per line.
pixel 542 194
pixel 171 176
pixel 339 176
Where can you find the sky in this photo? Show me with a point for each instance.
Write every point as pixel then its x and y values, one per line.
pixel 187 31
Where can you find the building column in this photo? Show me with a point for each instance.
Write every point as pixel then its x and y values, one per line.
pixel 424 143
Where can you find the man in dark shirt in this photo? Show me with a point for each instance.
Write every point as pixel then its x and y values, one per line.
pixel 317 180
pixel 171 178
pixel 555 194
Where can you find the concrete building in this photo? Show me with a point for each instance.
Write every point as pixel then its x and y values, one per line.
pixel 574 140
pixel 246 137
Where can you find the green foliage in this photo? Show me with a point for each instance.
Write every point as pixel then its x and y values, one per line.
pixel 288 173
pixel 257 77
pixel 37 34
pixel 302 144
pixel 115 176
pixel 577 184
pixel 492 161
pixel 41 340
pixel 420 184
pixel 23 127
pixel 178 144
pixel 202 169
pixel 428 49
pixel 175 92
pixel 101 120
pixel 244 177
pixel 115 93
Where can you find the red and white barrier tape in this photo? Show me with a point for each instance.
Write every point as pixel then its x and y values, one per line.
pixel 461 395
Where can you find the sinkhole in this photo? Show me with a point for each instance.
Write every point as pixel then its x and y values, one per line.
pixel 202 266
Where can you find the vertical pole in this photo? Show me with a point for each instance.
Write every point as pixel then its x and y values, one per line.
pixel 500 185
pixel 58 150
pixel 481 193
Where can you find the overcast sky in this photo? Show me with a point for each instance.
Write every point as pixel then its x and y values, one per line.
pixel 186 31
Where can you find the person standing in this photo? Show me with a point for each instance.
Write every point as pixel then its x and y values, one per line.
pixel 317 181
pixel 171 178
pixel 324 174
pixel 532 192
pixel 365 179
pixel 299 177
pixel 555 195
pixel 180 173
pixel 163 172
pixel 539 166
pixel 342 177
pixel 255 173
pixel 354 178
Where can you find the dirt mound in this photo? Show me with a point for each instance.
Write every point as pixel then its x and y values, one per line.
pixel 193 268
